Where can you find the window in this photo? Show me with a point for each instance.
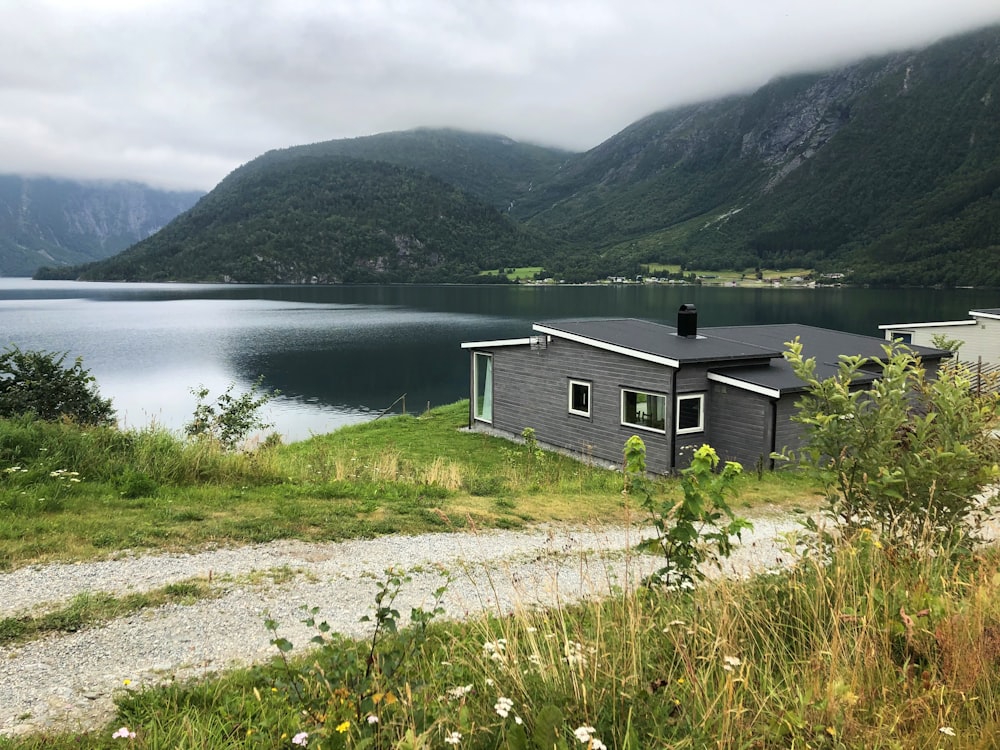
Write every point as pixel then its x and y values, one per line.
pixel 690 413
pixel 579 398
pixel 905 336
pixel 645 410
pixel 482 407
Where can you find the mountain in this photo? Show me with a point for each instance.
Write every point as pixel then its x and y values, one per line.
pixel 310 217
pixel 889 167
pixel 46 221
pixel 887 170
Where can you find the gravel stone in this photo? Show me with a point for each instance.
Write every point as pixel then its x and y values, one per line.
pixel 69 680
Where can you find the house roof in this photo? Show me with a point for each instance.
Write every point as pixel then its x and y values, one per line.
pixel 823 344
pixel 656 342
pixel 734 353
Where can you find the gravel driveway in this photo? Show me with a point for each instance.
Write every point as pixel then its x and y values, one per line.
pixel 69 679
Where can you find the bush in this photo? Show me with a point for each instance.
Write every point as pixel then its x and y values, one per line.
pixel 906 456
pixel 38 383
pixel 231 418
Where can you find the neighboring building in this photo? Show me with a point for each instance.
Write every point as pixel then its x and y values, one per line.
pixel 586 386
pixel 980 336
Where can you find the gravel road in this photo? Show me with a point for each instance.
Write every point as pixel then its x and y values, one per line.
pixel 68 680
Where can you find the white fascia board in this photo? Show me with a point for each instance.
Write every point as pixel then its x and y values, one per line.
pixel 942 324
pixel 979 314
pixel 743 385
pixel 498 342
pixel 607 347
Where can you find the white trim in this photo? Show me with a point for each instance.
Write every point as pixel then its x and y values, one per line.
pixel 943 324
pixel 498 342
pixel 475 387
pixel 701 413
pixel 621 410
pixel 607 347
pixel 743 385
pixel 569 396
pixel 981 314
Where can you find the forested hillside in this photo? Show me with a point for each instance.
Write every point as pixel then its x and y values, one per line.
pixel 887 170
pixel 326 219
pixel 45 221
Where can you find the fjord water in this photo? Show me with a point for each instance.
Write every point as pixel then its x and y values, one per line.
pixel 342 354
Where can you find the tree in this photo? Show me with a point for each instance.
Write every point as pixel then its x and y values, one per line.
pixel 905 456
pixel 38 383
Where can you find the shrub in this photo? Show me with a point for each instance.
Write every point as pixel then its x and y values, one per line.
pixel 231 418
pixel 40 384
pixel 905 456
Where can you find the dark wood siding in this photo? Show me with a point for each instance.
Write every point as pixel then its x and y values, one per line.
pixel 741 425
pixel 531 389
pixel 789 433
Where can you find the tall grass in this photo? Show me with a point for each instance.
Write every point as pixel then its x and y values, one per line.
pixel 866 649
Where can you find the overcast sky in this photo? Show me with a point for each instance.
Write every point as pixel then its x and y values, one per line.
pixel 177 93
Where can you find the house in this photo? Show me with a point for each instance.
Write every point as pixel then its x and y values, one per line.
pixel 586 386
pixel 980 335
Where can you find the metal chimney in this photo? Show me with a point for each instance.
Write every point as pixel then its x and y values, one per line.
pixel 687 321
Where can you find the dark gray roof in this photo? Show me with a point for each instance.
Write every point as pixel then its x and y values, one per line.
pixel 823 344
pixel 645 337
pixel 724 348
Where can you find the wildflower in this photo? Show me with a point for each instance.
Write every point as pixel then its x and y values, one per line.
pixel 573 653
pixel 453 738
pixel 123 733
pixel 343 726
pixel 372 719
pixel 489 681
pixel 729 662
pixel 458 692
pixel 126 682
pixel 518 719
pixel 302 739
pixel 584 734
pixel 503 707
pixel 496 650
pixel 596 744
pixel 947 731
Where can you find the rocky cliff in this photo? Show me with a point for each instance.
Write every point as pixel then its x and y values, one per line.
pixel 48 222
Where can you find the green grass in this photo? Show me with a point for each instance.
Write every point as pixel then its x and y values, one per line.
pixel 93 608
pixel 860 648
pixel 519 273
pixel 408 474
pixel 868 650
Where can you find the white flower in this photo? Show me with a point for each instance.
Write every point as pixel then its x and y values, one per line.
pixel 518 719
pixel 947 731
pixel 459 692
pixel 503 706
pixel 302 739
pixel 496 650
pixel 123 733
pixel 596 744
pixel 584 734
pixel 453 738
pixel 372 719
pixel 729 662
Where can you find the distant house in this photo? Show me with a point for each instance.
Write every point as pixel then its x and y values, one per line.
pixel 586 386
pixel 980 335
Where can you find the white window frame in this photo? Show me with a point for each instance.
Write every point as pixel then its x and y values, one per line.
pixel 700 427
pixel 654 394
pixel 569 397
pixel 487 397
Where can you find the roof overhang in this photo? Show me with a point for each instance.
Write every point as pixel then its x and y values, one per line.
pixel 939 324
pixel 496 343
pixel 597 344
pixel 984 314
pixel 716 377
